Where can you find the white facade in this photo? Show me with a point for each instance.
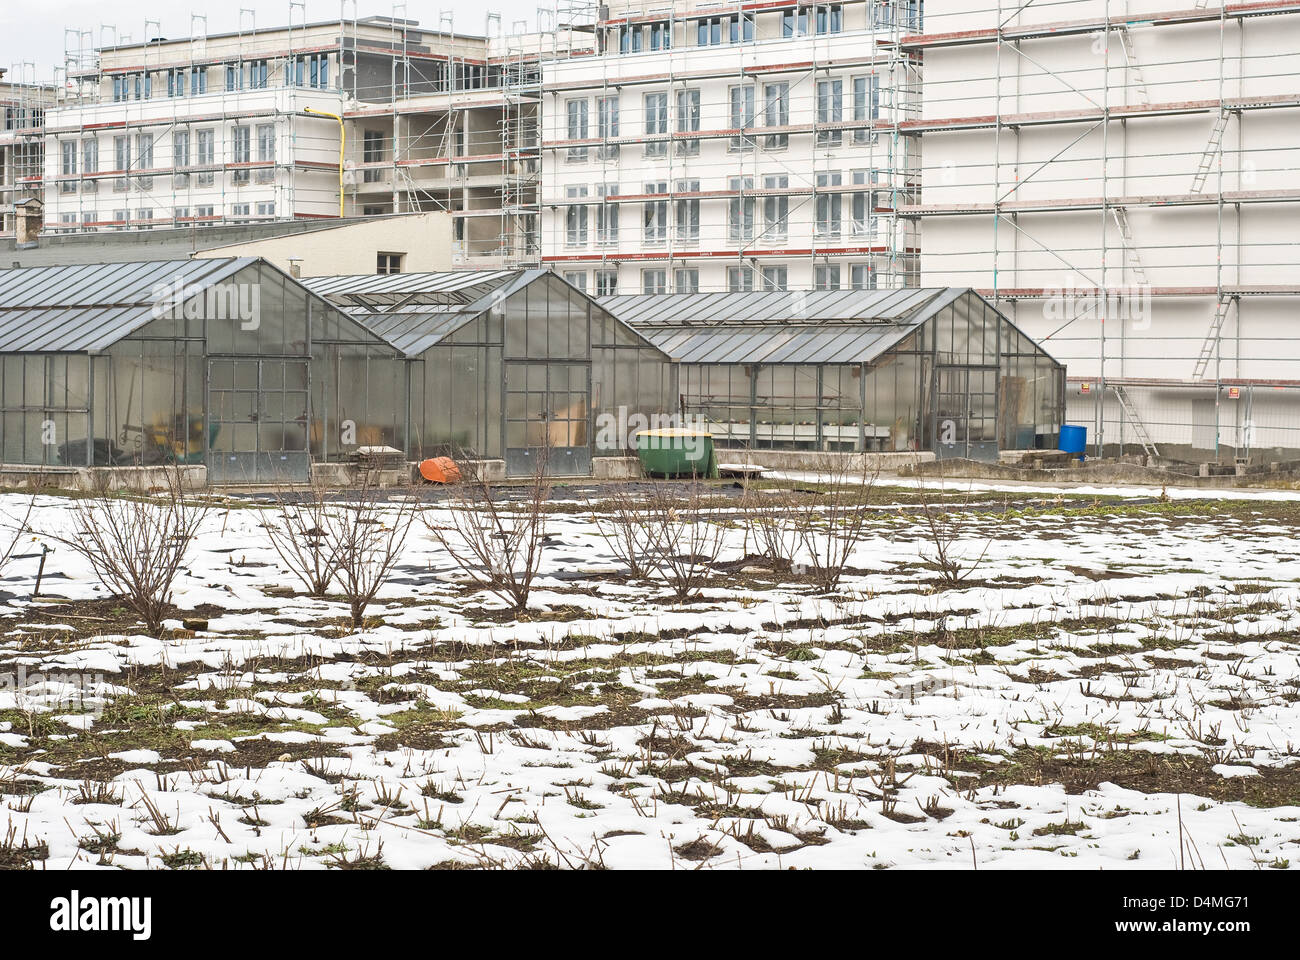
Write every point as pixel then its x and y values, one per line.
pixel 244 127
pixel 1128 196
pixel 730 147
pixel 22 145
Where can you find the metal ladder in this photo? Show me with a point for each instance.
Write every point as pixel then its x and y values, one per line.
pixel 1211 151
pixel 1139 428
pixel 1207 348
pixel 1131 60
pixel 1130 248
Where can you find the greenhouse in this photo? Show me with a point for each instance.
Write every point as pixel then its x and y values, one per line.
pixel 865 370
pixel 503 365
pixel 214 362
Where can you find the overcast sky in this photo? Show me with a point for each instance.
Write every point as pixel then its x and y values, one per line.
pixel 35 31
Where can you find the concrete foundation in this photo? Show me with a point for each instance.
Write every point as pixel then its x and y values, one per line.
pixel 616 468
pixel 813 460
pixel 193 478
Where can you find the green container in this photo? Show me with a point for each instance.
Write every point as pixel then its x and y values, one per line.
pixel 677 452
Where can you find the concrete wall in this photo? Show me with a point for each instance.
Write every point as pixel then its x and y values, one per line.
pixel 423 239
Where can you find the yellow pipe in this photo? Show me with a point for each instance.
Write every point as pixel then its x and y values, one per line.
pixel 343 142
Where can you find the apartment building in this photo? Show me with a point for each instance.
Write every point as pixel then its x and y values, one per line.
pixel 22 142
pixel 732 147
pixel 315 120
pixel 1120 179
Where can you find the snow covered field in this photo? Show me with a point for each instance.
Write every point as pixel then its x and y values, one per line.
pixel 1117 685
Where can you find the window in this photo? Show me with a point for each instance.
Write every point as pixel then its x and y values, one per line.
pixel 180 158
pixel 266 151
pixel 654 281
pixel 575 217
pixel 69 167
pixel 686 280
pixel 266 209
pixel 68 219
pixel 144 159
pixel 204 153
pixel 90 156
pixel 862 277
pixel 180 213
pixel 88 220
pixel 688 212
pixel 121 161
pixel 577 128
pixel 203 214
pixel 606 283
pixel 198 81
pixel 688 121
pixel 386 263
pixel 830 109
pixel 661 35
pixel 828 206
pixel 740 280
pixel 259 75
pixel 312 71
pixel 774 278
pixel 234 77
pixel 175 83
pixel 372 151
pixel 864 206
pixel 144 218
pixel 241 151
pixel 630 38
pixel 656 214
pixel 607 126
pixel 708 32
pixel 776 209
pixel 742 116
pixel 740 211
pixel 122 219
pixel 821 18
pixel 742 27
pixel 826 276
pixel 866 105
pixel 656 124
pixel 241 210
pixel 776 113
pixel 576 279
pixel 607 216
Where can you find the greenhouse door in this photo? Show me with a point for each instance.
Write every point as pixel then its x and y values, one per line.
pixel 257 421
pixel 548 407
pixel 966 413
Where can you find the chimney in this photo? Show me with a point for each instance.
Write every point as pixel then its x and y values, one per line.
pixel 29 216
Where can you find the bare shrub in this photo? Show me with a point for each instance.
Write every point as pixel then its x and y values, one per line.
pixel 767 516
pixel 12 534
pixel 687 542
pixel 623 520
pixel 368 533
pixel 304 530
pixel 832 523
pixel 945 529
pixel 498 541
pixel 137 543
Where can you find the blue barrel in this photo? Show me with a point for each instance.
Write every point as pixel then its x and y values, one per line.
pixel 1073 439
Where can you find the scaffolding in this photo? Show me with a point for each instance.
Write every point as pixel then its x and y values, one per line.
pixel 784 156
pixel 23 103
pixel 1117 137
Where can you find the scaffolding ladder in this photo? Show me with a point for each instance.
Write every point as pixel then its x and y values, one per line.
pixel 1130 413
pixel 1211 338
pixel 1130 248
pixel 1211 151
pixel 1131 61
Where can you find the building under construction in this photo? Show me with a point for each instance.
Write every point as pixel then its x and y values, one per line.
pixel 733 147
pixel 22 141
pixel 1119 179
pixel 310 120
